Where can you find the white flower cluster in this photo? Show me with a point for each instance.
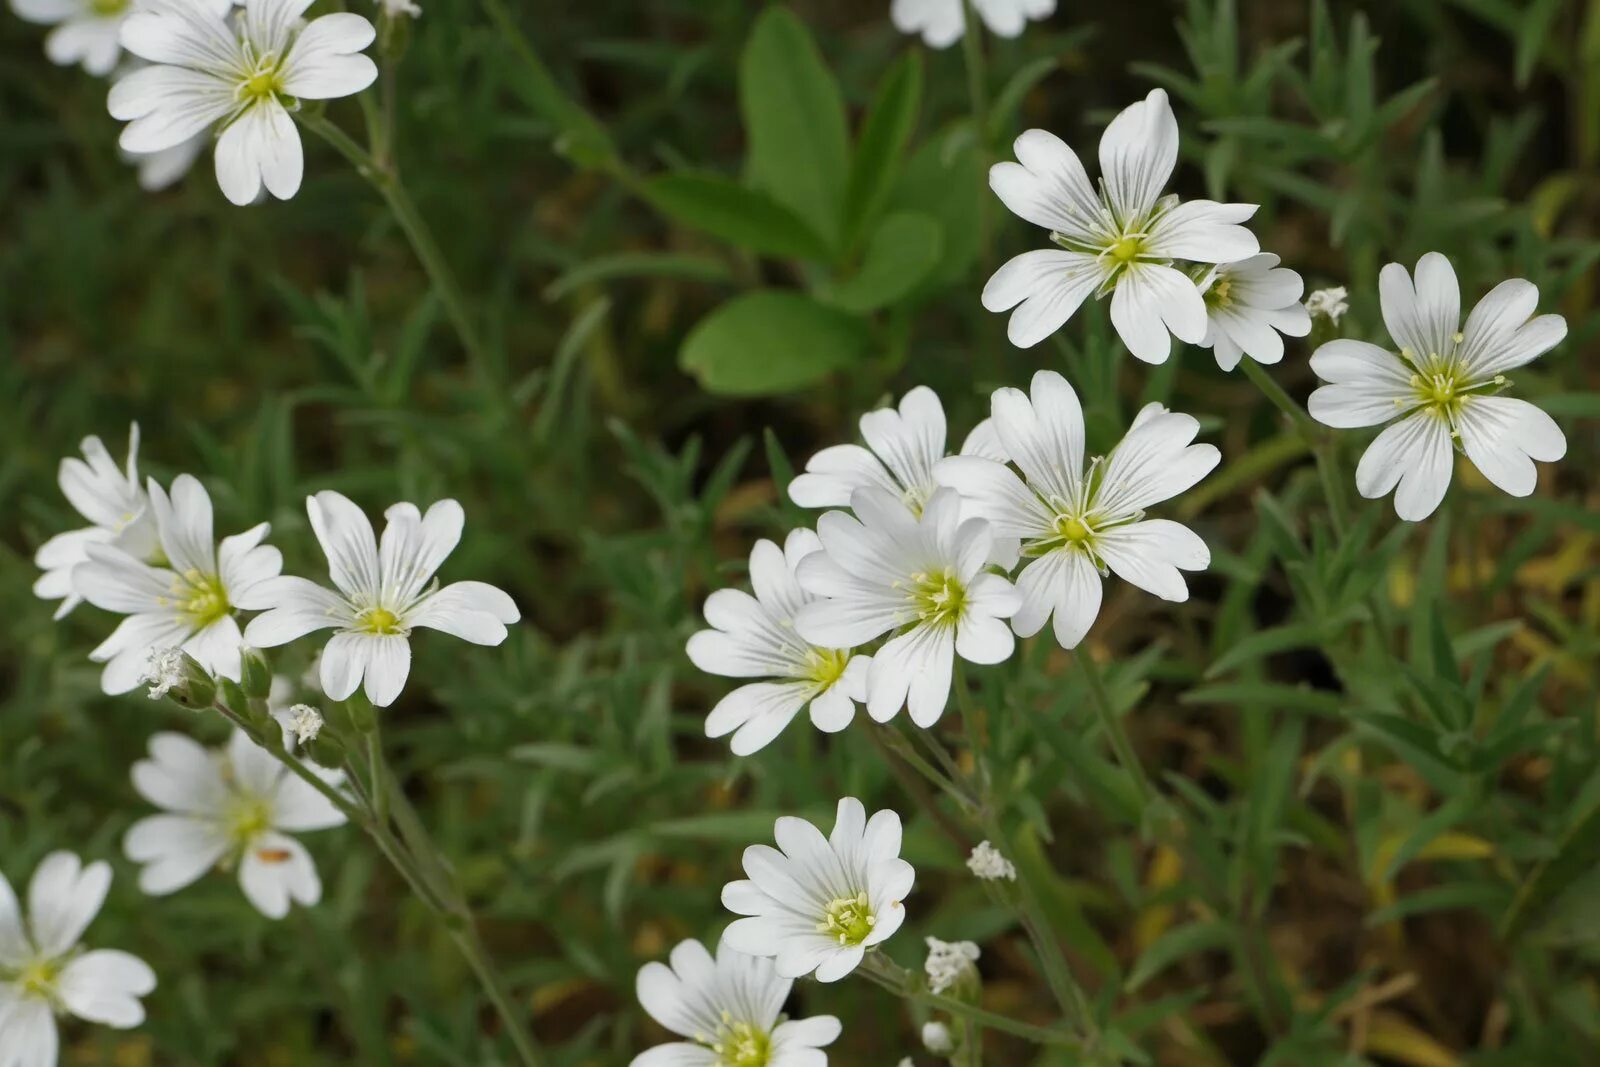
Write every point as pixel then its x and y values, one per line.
pixel 987 863
pixel 949 962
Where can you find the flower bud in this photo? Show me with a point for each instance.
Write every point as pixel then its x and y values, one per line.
pixel 174 674
pixel 936 1038
pixel 256 673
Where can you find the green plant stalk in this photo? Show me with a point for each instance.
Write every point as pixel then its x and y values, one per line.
pixel 386 181
pixel 889 975
pixel 447 905
pixel 1315 439
pixel 1068 994
pixel 1111 723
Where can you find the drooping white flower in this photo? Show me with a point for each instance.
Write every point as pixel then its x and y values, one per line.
pixel 44 972
pixel 86 31
pixel 1440 387
pixel 238 75
pixel 755 637
pixel 163 670
pixel 731 1010
pixel 816 904
pixel 113 501
pixel 1330 304
pixel 942 22
pixel 902 447
pixel 305 722
pixel 189 603
pixel 1079 521
pixel 920 577
pixel 937 1039
pixel 384 592
pixel 949 962
pixel 1249 306
pixel 231 809
pixel 1120 240
pixel 987 864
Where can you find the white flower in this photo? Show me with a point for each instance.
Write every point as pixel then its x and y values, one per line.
pixel 936 1038
pixel 949 962
pixel 44 972
pixel 988 864
pixel 1248 305
pixel 112 499
pixel 1120 240
pixel 816 903
pixel 754 637
pixel 920 577
pixel 384 593
pixel 86 31
pixel 1080 521
pixel 942 22
pixel 238 74
pixel 1441 386
pixel 731 1010
pixel 163 670
pixel 228 809
pixel 902 447
pixel 305 722
pixel 190 602
pixel 1328 303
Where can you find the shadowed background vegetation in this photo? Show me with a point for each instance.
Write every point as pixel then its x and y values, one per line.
pixel 1388 866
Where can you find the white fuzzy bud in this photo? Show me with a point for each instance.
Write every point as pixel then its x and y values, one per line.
pixel 164 671
pixel 987 863
pixel 305 722
pixel 949 962
pixel 1328 303
pixel 936 1039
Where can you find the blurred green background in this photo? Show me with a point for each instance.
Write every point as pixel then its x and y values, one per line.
pixel 1384 882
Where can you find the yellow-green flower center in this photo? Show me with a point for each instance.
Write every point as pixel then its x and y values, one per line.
pixel 741 1044
pixel 939 598
pixel 247 819
pixel 1126 249
pixel 826 665
pixel 1073 530
pixel 1219 295
pixel 264 79
pixel 202 598
pixel 379 620
pixel 38 978
pixel 108 8
pixel 848 920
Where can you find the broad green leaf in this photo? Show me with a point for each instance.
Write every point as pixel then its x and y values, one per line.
pixel 885 132
pixel 726 209
pixel 766 343
pixel 798 144
pixel 944 179
pixel 902 252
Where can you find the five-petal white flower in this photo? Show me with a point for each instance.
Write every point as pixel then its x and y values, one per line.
pixel 1441 387
pixel 44 973
pixel 818 903
pixel 942 22
pixel 239 74
pixel 109 497
pixel 1120 240
pixel 885 569
pixel 385 591
pixel 230 809
pixel 730 1008
pixel 190 602
pixel 1078 521
pixel 754 637
pixel 1250 305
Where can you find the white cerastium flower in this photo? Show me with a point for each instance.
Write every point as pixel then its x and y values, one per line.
pixel 920 577
pixel 234 810
pixel 817 904
pixel 731 1009
pixel 1440 388
pixel 1121 239
pixel 903 444
pixel 754 637
pixel 942 22
pixel 44 972
pixel 115 504
pixel 949 963
pixel 237 74
pixel 188 603
pixel 1081 520
pixel 1330 304
pixel 1250 305
pixel 988 864
pixel 86 31
pixel 384 592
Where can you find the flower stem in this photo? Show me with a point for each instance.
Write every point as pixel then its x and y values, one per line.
pixel 384 178
pixel 1315 439
pixel 1111 723
pixel 902 983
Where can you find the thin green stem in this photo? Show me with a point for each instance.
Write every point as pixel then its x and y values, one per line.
pixel 902 983
pixel 386 180
pixel 1111 723
pixel 1315 439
